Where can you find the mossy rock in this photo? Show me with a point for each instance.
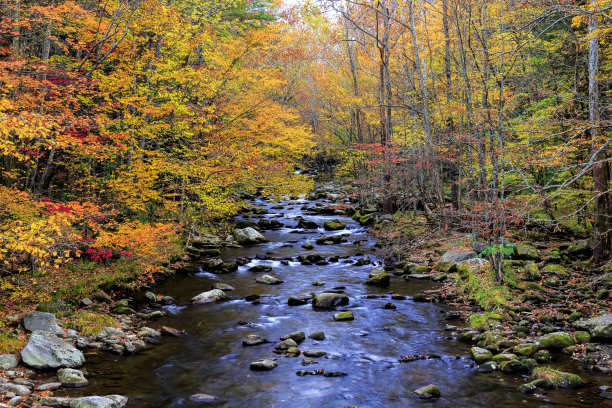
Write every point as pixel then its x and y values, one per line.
pixel 513 366
pixel 498 358
pixel 542 356
pixel 333 225
pixel 526 252
pixel 526 349
pixel 582 337
pixel 548 378
pixel 378 277
pixel 446 266
pixel 532 272
pixel 556 341
pixel 344 316
pixel 421 269
pixel 555 269
pixel 308 246
pixel 428 392
pixel 55 306
pixel 481 355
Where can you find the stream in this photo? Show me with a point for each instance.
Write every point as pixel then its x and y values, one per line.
pixel 212 360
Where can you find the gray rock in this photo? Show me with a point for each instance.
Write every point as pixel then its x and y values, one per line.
pixel 253 340
pixel 314 353
pixel 8 361
pixel 318 335
pixel 70 377
pixel 556 340
pixel 263 365
pixel 86 302
pixel 222 286
pixel 456 257
pixel 328 300
pixel 599 327
pixel 15 388
pixel 428 392
pixel 45 350
pixel 204 399
pixel 298 336
pixel 41 321
pixel 248 236
pixel 210 296
pixel 50 386
pixel 108 401
pixel 15 401
pixel 268 280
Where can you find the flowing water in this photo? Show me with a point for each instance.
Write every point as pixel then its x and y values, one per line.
pixel 212 360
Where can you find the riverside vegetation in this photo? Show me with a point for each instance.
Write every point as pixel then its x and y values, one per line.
pixel 473 139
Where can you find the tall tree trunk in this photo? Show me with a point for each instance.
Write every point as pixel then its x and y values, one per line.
pixel 600 184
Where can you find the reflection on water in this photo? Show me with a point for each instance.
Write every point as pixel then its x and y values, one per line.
pixel 212 360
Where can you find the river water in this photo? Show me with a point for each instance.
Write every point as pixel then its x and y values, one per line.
pixel 212 360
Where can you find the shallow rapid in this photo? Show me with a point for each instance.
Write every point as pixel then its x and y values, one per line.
pixel 212 360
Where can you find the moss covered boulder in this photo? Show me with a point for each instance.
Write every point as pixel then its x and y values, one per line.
pixel 481 355
pixel 548 378
pixel 599 327
pixel 526 252
pixel 428 392
pixel 556 341
pixel 344 316
pixel 378 277
pixel 333 225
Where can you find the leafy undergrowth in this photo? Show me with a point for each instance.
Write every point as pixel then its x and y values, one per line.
pixel 91 323
pixel 11 343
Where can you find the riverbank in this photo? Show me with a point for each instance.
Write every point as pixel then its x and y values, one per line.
pixel 551 304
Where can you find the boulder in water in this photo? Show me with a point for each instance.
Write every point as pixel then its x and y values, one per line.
pixel 329 300
pixel 214 295
pixel 45 350
pixel 249 236
pixel 108 401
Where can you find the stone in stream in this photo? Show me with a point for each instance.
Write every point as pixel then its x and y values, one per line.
pixel 297 336
pixel 329 240
pixel 297 301
pixel 268 280
pixel 171 331
pixel 222 286
pixel 389 306
pixel 318 335
pixel 428 392
pixel 306 224
pixel 108 401
pixel 204 399
pixel 265 364
pixel 329 300
pixel 45 350
pixel 41 321
pixel 378 277
pixel 248 236
pixel 70 377
pixel 548 378
pixel 333 225
pixel 308 246
pixel 343 316
pixel 253 340
pixel 314 353
pixel 308 361
pixel 260 268
pixel 317 283
pixel 210 296
pixel 285 344
pixel 8 361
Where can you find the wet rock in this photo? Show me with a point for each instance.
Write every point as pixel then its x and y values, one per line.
pixel 222 286
pixel 343 316
pixel 314 353
pixel 333 225
pixel 204 399
pixel 297 336
pixel 268 280
pixel 317 283
pixel 428 392
pixel 263 365
pixel 70 377
pixel 307 224
pixel 251 298
pixel 421 297
pixel 308 361
pixel 41 321
pixel 498 358
pixel 599 327
pixel 481 355
pixel 556 341
pixel 210 296
pixel 526 349
pixel 260 268
pixel 171 331
pixel 253 340
pixel 45 350
pixel 249 236
pixel 8 361
pixel 363 261
pixel 334 374
pixel 50 386
pixel 542 356
pixel 389 306
pixel 285 344
pixel 318 335
pixel 329 300
pixel 582 337
pixel 308 246
pixel 108 401
pixel 296 301
pixel 513 366
pixel 487 367
pixel 314 258
pixel 329 240
pixel 378 277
